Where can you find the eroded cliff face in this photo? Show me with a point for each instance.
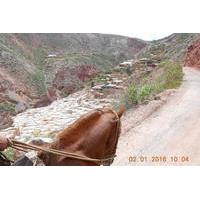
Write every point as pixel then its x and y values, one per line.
pixel 65 82
pixel 193 55
pixel 192 58
pixel 14 97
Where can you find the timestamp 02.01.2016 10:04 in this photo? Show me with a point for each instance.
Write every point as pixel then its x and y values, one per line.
pixel 159 159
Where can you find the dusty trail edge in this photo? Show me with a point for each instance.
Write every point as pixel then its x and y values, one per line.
pixel 164 132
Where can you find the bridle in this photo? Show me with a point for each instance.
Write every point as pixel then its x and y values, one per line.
pixel 109 162
pixel 21 146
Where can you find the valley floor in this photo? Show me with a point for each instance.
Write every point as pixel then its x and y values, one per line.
pixel 169 136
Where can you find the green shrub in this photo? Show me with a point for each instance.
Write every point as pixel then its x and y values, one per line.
pixel 38 78
pixel 38 81
pixel 7 107
pixel 138 94
pixel 132 93
pixel 9 153
pixel 100 78
pixel 144 92
pixel 171 77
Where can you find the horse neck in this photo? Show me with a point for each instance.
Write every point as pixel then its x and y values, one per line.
pixel 78 129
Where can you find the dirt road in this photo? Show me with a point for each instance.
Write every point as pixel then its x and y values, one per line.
pixel 171 135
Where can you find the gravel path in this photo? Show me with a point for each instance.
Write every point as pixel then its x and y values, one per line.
pixel 171 135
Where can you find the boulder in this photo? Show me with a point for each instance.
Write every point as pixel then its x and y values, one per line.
pixel 20 107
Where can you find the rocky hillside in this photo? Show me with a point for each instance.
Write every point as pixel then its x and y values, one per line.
pixel 30 58
pixel 36 69
pixel 173 47
pixel 37 57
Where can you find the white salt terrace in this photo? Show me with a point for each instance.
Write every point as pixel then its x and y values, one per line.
pixel 44 123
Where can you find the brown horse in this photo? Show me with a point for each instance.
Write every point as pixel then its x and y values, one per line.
pixel 94 135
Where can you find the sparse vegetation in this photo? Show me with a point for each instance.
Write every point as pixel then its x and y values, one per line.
pixel 137 94
pixel 99 79
pixel 38 80
pixel 172 74
pixel 9 153
pixel 170 77
pixel 173 47
pixel 7 107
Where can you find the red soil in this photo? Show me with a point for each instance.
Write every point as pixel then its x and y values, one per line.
pixel 193 55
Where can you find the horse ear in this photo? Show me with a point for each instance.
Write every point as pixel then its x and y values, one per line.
pixel 121 111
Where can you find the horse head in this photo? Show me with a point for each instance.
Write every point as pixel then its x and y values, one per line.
pixel 94 135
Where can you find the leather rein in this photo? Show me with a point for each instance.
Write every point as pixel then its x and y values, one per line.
pixel 21 146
